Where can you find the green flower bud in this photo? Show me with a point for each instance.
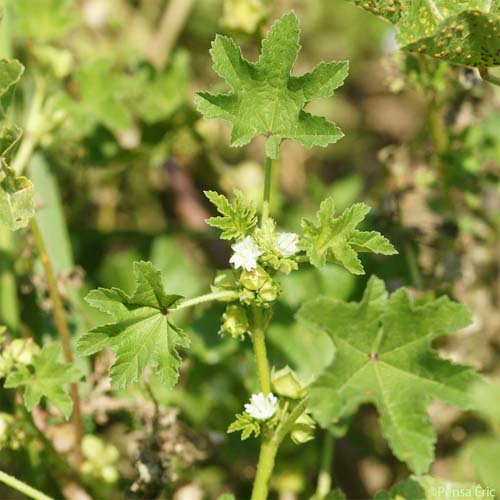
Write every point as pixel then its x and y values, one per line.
pixel 303 429
pixel 286 384
pixel 22 351
pixel 235 320
pixel 269 291
pixel 254 279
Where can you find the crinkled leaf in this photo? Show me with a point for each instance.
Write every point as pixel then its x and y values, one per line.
pixel 246 424
pixel 330 238
pixel 16 200
pixel 141 333
pixel 237 218
pixel 43 20
pixel 265 99
pixel 47 379
pixel 9 137
pixel 11 71
pixel 384 356
pixel 336 494
pixel 459 31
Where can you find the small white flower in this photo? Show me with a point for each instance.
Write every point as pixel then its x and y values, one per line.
pixel 287 244
pixel 262 407
pixel 245 254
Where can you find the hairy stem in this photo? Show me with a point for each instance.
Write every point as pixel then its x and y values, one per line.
pixel 225 296
pixel 63 331
pixel 267 190
pixel 23 488
pixel 324 485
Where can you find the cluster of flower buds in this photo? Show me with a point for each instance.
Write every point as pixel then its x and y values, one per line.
pixel 18 352
pixel 258 287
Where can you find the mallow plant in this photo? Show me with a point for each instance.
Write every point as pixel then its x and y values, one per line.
pixel 384 351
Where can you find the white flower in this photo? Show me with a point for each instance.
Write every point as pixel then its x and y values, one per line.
pixel 287 244
pixel 262 407
pixel 245 254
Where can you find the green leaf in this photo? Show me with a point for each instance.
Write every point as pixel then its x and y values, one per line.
pixel 404 490
pixel 142 333
pixel 484 452
pixel 246 424
pixel 336 494
pixel 47 379
pixel 384 356
pixel 104 103
pixel 265 99
pixel 330 238
pixel 238 217
pixel 161 93
pixel 11 71
pixel 43 20
pixel 16 200
pixel 459 31
pixel 227 496
pixel 472 39
pixel 9 137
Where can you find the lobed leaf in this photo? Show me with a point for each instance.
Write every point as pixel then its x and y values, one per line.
pixel 141 333
pixel 48 379
pixel 237 218
pixel 330 238
pixel 384 356
pixel 265 99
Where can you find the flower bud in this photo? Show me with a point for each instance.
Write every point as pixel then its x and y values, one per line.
pixel 303 429
pixel 269 291
pixel 286 383
pixel 22 351
pixel 254 279
pixel 235 321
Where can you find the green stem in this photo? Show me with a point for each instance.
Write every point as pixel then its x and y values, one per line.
pixel 62 329
pixel 31 134
pixel 487 77
pixel 259 348
pixel 268 451
pixel 267 190
pixel 225 296
pixel 324 485
pixel 23 488
pixel 267 457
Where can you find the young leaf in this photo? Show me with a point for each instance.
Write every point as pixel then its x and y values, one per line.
pixel 238 217
pixel 384 356
pixel 16 200
pixel 265 99
pixel 141 333
pixel 48 378
pixel 330 238
pixel 246 424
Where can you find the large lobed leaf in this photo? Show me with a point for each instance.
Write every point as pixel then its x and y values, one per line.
pixel 142 333
pixel 384 356
pixel 330 238
pixel 265 99
pixel 48 379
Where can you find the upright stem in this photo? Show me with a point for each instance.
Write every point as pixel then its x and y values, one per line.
pixel 23 488
pixel 324 485
pixel 267 457
pixel 63 331
pixel 267 190
pixel 259 348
